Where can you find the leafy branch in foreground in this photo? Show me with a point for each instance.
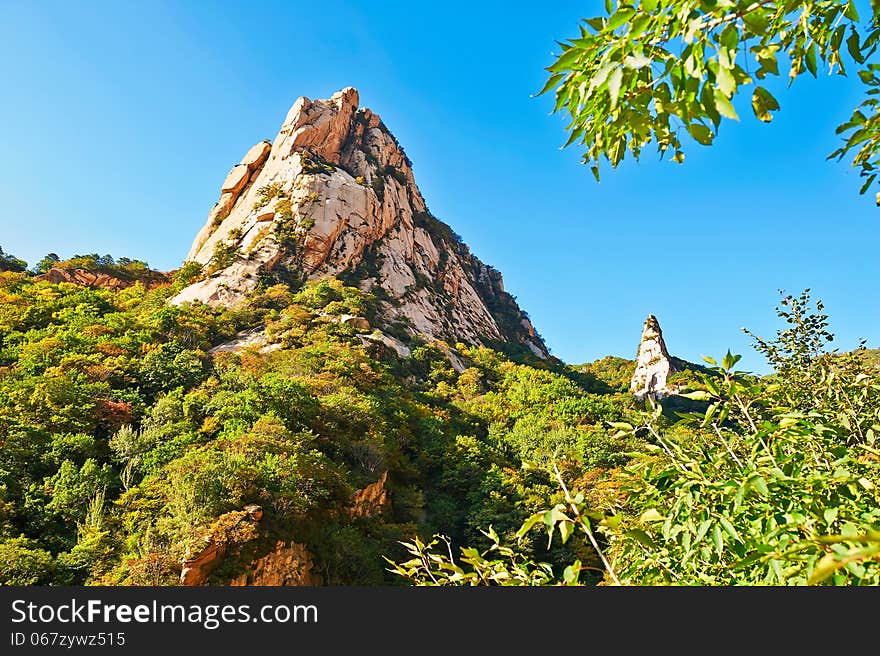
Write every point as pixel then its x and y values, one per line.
pixel 775 481
pixel 475 568
pixel 649 70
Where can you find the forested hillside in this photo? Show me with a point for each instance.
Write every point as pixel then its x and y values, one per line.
pixel 126 441
pixel 134 450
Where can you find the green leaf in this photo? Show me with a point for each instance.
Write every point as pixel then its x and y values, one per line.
pixel 552 81
pixel 565 530
pixel 529 523
pixel 851 11
pixel 777 570
pixel 725 82
pixel 830 514
pixel 728 528
pixel 601 75
pixel 641 537
pixel 763 103
pixel 566 60
pixel 704 528
pixel 854 47
pixel 756 21
pixel 729 360
pixel 697 395
pixel 638 24
pixel 724 107
pixel 614 81
pixel 621 425
pixel 810 59
pixel 596 23
pixel 701 133
pixel 717 539
pixel 636 62
pixel 730 37
pixel 760 486
pixel 837 37
pixel 612 522
pixel 619 17
pixel 651 515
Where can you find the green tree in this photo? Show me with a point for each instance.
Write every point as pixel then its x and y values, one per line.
pixel 650 70
pixel 8 262
pixel 49 261
pixel 22 562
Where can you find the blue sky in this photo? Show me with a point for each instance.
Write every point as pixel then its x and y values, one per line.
pixel 120 121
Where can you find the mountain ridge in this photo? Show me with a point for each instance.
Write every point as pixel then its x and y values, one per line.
pixel 334 196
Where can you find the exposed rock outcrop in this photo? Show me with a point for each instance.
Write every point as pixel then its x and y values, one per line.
pixel 243 339
pixel 289 564
pixel 334 196
pixel 86 278
pixel 653 364
pixel 234 527
pixel 372 499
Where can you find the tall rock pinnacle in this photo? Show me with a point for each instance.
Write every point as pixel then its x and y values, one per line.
pixel 653 364
pixel 334 196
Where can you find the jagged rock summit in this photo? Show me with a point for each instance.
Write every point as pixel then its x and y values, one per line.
pixel 653 363
pixel 334 196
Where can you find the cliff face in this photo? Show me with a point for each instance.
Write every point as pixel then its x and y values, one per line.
pixel 653 364
pixel 334 196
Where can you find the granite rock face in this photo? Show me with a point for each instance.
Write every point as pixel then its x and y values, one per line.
pixel 334 196
pixel 653 363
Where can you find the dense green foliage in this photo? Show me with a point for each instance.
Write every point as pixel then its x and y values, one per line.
pixel 650 70
pixel 127 437
pixel 9 262
pixel 776 482
pixel 125 440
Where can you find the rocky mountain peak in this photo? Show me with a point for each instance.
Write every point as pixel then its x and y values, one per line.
pixel 653 363
pixel 334 196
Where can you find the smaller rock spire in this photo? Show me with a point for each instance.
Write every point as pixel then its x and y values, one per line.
pixel 653 363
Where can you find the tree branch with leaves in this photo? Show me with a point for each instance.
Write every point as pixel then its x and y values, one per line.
pixel 649 71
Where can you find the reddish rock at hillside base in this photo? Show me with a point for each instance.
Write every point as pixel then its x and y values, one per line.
pixel 235 527
pixel 371 500
pixel 287 564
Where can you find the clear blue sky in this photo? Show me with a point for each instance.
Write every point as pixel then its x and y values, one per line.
pixel 121 119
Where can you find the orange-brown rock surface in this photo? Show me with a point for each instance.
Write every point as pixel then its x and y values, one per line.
pixel 288 564
pixel 87 278
pixel 235 527
pixel 372 499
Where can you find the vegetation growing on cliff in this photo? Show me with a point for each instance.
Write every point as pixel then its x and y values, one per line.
pixel 124 439
pixel 127 436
